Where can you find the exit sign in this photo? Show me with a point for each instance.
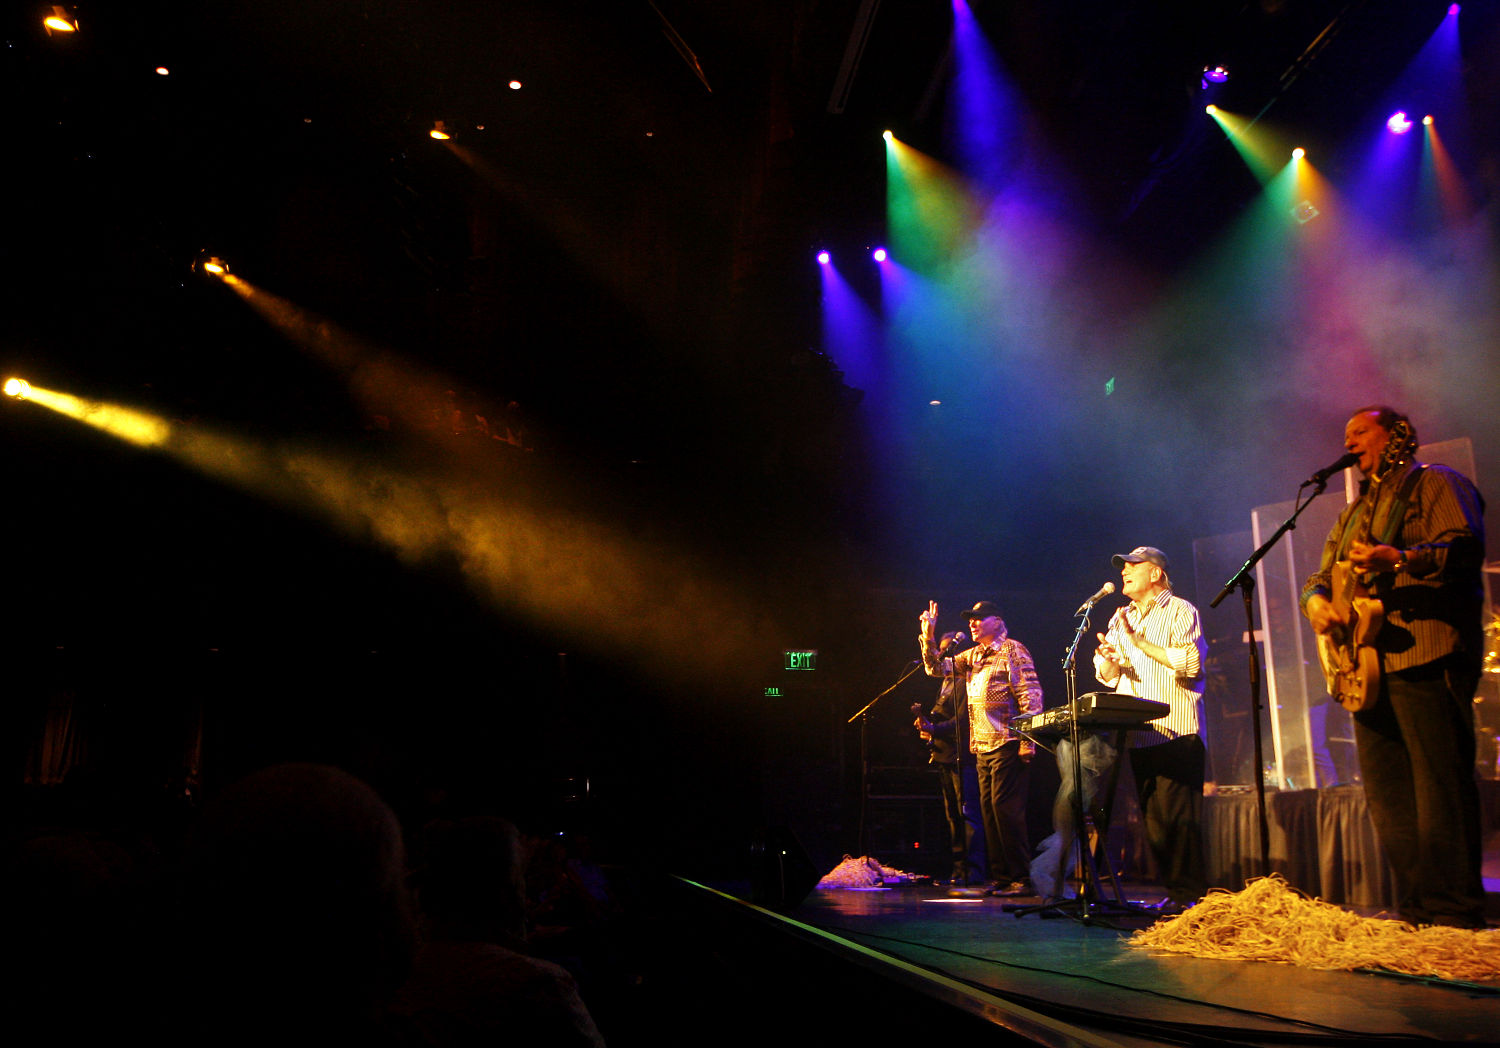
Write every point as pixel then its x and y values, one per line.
pixel 802 660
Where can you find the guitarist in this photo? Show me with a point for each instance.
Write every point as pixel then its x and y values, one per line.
pixel 946 732
pixel 1422 561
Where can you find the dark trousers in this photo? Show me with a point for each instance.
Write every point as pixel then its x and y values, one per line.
pixel 1416 753
pixel 960 788
pixel 1169 785
pixel 1002 808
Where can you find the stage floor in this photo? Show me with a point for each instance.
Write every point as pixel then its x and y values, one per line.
pixel 1092 989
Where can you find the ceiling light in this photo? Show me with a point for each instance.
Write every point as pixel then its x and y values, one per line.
pixel 212 265
pixel 59 21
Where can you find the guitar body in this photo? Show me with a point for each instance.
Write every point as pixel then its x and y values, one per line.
pixel 1351 664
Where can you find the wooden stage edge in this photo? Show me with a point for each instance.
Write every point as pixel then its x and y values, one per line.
pixel 979 967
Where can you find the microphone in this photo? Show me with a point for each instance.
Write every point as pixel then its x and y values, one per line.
pixel 945 646
pixel 1322 475
pixel 1104 591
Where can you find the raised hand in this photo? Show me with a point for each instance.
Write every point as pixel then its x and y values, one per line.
pixel 928 619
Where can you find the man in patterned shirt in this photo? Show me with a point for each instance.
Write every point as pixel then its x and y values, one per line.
pixel 1416 741
pixel 1000 682
pixel 1154 649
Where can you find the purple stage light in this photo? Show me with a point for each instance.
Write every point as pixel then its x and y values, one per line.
pixel 1214 75
pixel 878 254
pixel 824 258
pixel 1399 123
pixel 1453 9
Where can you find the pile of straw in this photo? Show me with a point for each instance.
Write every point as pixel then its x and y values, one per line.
pixel 863 872
pixel 1268 921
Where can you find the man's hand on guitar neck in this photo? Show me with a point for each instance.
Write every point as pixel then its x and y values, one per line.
pixel 922 724
pixel 1367 557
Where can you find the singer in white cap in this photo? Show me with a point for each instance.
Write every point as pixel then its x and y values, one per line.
pixel 1154 649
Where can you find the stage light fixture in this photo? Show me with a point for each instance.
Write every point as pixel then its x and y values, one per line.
pixel 439 131
pixel 18 388
pixel 213 265
pixel 1298 153
pixel 515 85
pixel 1214 75
pixel 1210 109
pixel 879 254
pixel 887 136
pixel 1427 120
pixel 163 71
pixel 59 21
pixel 1453 9
pixel 824 258
pixel 1399 123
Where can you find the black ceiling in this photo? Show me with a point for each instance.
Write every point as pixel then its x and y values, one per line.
pixel 622 248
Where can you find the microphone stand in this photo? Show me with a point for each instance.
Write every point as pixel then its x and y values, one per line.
pixel 1089 901
pixel 1244 581
pixel 864 749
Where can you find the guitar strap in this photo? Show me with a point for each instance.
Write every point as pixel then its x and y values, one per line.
pixel 1397 511
pixel 1393 517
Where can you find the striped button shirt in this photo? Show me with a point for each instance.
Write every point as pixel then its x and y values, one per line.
pixel 1001 683
pixel 1433 605
pixel 1171 623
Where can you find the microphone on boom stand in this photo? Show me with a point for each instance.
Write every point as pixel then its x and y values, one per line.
pixel 1104 591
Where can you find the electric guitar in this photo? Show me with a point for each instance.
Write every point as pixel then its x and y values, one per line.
pixel 1351 663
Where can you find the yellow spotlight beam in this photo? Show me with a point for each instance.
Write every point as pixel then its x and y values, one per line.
pixel 136 427
pixel 1263 150
pixel 1439 166
pixel 379 378
pixel 540 561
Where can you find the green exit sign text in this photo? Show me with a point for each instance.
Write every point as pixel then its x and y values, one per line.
pixel 802 660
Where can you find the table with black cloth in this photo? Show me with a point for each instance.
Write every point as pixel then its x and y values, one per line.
pixel 1322 842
